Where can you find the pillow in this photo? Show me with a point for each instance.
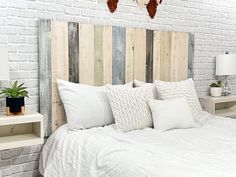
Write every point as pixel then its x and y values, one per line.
pixel 170 90
pixel 138 83
pixel 130 107
pixel 85 106
pixel 171 114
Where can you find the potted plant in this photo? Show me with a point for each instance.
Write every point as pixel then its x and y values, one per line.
pixel 216 88
pixel 15 98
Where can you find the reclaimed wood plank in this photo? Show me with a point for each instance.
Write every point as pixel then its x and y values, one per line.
pixel 60 69
pixel 107 55
pixel 86 54
pixel 73 31
pixel 98 55
pixel 118 55
pixel 149 56
pixel 190 55
pixel 45 91
pixel 157 55
pixel 140 54
pixel 129 61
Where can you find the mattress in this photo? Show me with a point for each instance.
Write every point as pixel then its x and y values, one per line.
pixel 208 150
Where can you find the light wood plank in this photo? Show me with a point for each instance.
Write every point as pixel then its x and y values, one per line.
pixel 157 55
pixel 179 56
pixel 86 54
pixel 140 54
pixel 60 69
pixel 107 55
pixel 98 55
pixel 129 62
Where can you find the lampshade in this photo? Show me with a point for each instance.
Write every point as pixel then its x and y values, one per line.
pixel 226 64
pixel 4 64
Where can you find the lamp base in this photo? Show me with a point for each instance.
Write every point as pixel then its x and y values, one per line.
pixel 227 88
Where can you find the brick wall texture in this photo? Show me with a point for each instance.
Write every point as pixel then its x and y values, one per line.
pixel 212 22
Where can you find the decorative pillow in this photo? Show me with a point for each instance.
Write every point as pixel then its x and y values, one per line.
pixel 171 114
pixel 138 83
pixel 85 106
pixel 170 90
pixel 130 107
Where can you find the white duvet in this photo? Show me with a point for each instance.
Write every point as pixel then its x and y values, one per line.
pixel 209 150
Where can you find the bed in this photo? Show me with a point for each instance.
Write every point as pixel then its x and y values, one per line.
pixel 209 150
pixel 99 55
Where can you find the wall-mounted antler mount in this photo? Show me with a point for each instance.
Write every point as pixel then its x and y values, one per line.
pixel 151 5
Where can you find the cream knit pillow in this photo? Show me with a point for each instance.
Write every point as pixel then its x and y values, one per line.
pixel 170 90
pixel 130 107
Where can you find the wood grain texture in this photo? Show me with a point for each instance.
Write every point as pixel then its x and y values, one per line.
pixel 190 55
pixel 98 55
pixel 45 91
pixel 86 54
pixel 157 55
pixel 129 61
pixel 73 32
pixel 59 69
pixel 107 55
pixel 149 56
pixel 179 55
pixel 118 55
pixel 140 54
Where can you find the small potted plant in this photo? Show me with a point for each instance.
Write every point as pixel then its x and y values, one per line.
pixel 216 88
pixel 15 98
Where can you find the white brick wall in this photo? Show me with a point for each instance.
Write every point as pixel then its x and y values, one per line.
pixel 212 21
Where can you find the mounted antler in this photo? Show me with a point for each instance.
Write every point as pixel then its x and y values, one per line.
pixel 152 7
pixel 112 5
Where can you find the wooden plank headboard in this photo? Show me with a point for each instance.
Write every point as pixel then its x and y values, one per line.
pixel 99 55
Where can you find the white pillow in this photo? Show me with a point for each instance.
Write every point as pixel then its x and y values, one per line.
pixel 85 106
pixel 186 88
pixel 171 114
pixel 130 107
pixel 138 83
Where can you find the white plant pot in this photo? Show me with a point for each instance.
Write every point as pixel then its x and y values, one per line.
pixel 216 91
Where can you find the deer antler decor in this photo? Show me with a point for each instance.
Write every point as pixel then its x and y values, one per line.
pixel 151 5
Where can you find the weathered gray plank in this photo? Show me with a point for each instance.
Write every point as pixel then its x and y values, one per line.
pixel 118 55
pixel 45 90
pixel 190 55
pixel 149 56
pixel 73 30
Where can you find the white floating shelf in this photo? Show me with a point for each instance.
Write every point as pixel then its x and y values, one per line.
pixel 20 131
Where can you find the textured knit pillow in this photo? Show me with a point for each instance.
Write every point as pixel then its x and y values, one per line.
pixel 130 107
pixel 138 83
pixel 170 90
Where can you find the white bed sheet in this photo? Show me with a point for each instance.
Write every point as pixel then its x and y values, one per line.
pixel 208 150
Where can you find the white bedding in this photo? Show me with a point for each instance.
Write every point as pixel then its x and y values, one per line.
pixel 208 150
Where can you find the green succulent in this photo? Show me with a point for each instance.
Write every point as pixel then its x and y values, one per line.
pixel 15 91
pixel 217 84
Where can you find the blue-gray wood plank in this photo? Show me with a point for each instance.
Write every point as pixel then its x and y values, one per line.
pixel 118 55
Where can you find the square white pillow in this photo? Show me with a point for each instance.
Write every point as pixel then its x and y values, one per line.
pixel 186 88
pixel 130 107
pixel 171 114
pixel 85 106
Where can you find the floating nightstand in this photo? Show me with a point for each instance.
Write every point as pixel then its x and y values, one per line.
pixel 221 106
pixel 21 130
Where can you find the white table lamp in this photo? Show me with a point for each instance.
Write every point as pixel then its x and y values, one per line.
pixel 226 66
pixel 4 64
